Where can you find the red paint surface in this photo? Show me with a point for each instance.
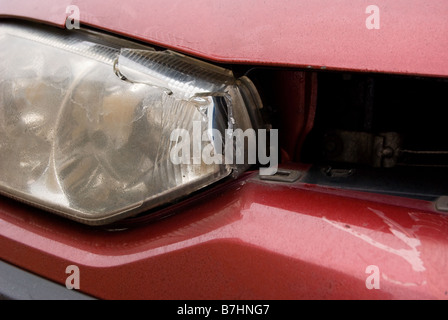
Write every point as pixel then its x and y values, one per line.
pixel 412 38
pixel 296 92
pixel 249 240
pixel 255 240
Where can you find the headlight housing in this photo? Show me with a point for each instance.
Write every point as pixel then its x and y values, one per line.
pixel 87 122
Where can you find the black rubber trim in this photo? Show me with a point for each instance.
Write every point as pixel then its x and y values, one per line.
pixel 410 182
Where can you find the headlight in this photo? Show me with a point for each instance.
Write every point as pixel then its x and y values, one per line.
pixel 87 122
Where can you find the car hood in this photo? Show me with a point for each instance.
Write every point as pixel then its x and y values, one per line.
pixel 321 34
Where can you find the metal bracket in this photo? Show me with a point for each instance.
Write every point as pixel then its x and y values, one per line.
pixel 442 204
pixel 377 150
pixel 283 175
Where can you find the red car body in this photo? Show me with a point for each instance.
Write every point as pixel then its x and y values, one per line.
pixel 252 238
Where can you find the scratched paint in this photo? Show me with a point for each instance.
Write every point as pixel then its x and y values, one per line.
pixel 411 255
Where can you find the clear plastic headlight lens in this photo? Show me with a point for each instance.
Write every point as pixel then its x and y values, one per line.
pixel 87 122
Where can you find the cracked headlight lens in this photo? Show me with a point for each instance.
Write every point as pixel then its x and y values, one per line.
pixel 87 122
